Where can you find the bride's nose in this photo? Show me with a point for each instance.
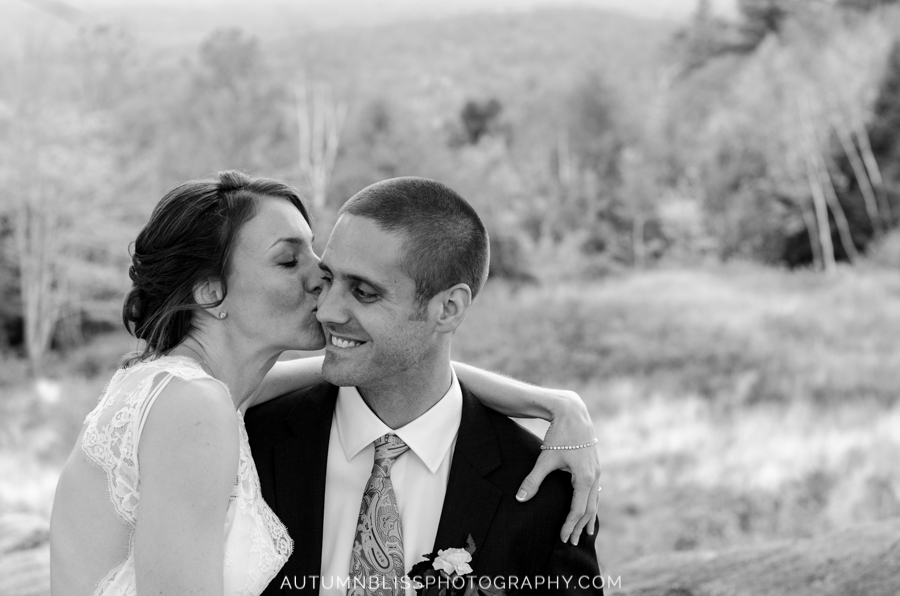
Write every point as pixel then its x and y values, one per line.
pixel 312 276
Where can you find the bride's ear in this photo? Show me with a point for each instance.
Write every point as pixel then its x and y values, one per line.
pixel 208 294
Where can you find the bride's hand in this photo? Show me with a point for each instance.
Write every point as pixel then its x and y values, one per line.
pixel 571 425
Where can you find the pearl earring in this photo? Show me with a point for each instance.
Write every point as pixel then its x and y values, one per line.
pixel 223 314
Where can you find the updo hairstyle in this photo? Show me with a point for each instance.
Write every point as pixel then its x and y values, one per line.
pixel 189 239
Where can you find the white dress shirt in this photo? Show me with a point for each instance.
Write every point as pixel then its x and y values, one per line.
pixel 419 477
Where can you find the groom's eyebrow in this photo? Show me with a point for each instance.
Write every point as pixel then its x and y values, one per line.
pixel 353 277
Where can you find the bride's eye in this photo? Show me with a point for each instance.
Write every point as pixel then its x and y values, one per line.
pixel 289 264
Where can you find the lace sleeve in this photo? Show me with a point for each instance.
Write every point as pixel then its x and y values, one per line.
pixel 113 430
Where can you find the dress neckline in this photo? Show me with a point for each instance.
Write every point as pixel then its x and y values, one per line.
pixel 193 363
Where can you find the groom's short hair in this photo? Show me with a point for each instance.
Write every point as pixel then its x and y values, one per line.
pixel 445 243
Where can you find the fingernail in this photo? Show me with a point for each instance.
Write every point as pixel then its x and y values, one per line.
pixel 575 541
pixel 520 496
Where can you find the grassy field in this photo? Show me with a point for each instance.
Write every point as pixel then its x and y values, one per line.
pixel 733 405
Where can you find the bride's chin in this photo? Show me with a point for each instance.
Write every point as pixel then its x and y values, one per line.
pixel 314 342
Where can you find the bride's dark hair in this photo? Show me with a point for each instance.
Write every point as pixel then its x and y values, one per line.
pixel 189 239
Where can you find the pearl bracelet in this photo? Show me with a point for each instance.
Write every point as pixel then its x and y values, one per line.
pixel 555 447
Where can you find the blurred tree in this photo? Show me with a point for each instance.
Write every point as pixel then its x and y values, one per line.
pixel 854 159
pixel 229 56
pixel 884 130
pixel 372 149
pixel 53 171
pixel 821 179
pixel 381 141
pixel 864 5
pixel 592 130
pixel 104 55
pixel 704 38
pixel 641 194
pixel 10 297
pixel 708 37
pixel 320 120
pixel 57 173
pixel 794 100
pixel 233 112
pixel 759 18
pixel 479 118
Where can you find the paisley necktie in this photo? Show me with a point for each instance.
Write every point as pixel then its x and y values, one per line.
pixel 376 564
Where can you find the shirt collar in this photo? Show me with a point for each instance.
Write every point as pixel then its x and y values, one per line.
pixel 429 436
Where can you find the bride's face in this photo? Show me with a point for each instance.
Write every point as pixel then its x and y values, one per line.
pixel 274 281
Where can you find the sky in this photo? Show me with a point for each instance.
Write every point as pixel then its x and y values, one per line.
pixel 176 23
pixel 352 10
pixel 335 13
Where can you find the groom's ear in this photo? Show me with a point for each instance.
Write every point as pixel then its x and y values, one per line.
pixel 454 302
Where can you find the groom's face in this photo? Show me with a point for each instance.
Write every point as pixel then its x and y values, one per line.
pixel 374 330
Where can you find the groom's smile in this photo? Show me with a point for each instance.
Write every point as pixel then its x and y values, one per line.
pixel 344 343
pixel 367 306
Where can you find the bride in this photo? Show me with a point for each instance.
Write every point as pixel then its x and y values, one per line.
pixel 162 464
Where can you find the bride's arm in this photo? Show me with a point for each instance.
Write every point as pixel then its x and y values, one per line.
pixel 189 460
pixel 286 376
pixel 570 424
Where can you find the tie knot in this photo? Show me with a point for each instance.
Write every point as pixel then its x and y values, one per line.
pixel 388 448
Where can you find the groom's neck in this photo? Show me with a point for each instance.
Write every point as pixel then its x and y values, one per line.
pixel 402 398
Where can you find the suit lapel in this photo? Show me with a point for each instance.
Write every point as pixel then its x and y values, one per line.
pixel 300 463
pixel 471 500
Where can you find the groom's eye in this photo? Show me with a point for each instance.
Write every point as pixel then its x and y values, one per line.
pixel 363 295
pixel 289 264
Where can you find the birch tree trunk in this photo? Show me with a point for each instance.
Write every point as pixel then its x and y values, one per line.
pixel 837 211
pixel 35 232
pixel 795 172
pixel 821 211
pixel 810 221
pixel 859 171
pixel 811 159
pixel 320 120
pixel 827 186
pixel 637 241
pixel 862 137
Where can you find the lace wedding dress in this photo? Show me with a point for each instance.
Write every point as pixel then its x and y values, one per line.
pixel 256 542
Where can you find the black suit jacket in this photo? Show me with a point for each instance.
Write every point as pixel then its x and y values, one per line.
pixel 289 440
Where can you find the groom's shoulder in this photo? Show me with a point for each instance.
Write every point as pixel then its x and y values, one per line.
pixel 513 440
pixel 293 403
pixel 519 448
pixel 518 445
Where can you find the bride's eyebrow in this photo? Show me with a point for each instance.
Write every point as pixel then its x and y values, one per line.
pixel 290 240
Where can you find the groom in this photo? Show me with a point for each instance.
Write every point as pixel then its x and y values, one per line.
pixel 393 459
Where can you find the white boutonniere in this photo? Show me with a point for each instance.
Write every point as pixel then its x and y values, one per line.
pixel 448 573
pixel 453 560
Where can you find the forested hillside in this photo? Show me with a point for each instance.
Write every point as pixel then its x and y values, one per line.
pixel 107 120
pixel 590 141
